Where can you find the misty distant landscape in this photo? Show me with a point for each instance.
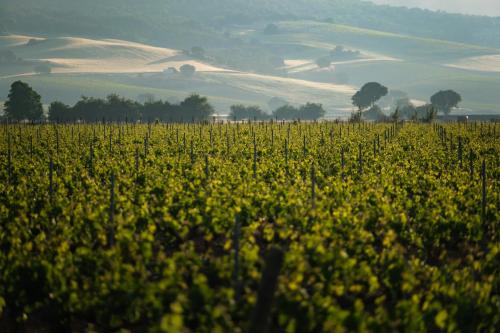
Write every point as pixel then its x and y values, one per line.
pixel 248 52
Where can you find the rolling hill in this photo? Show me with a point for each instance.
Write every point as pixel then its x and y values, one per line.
pixel 100 67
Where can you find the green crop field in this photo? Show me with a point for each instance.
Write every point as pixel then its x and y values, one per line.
pixel 301 227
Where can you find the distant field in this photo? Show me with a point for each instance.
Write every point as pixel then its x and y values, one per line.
pixel 82 55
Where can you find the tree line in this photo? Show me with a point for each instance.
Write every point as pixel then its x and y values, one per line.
pixel 309 111
pixel 366 98
pixel 194 108
pixel 24 103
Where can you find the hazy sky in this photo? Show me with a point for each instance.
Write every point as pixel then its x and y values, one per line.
pixel 481 7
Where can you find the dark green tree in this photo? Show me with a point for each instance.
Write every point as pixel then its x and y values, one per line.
pixel 196 108
pixel 240 112
pixel 60 112
pixel 445 100
pixel 368 95
pixel 286 112
pixel 158 110
pixel 89 109
pixel 311 111
pixel 117 108
pixel 23 103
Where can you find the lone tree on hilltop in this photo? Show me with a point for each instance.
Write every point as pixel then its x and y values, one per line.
pixel 23 103
pixel 446 100
pixel 368 95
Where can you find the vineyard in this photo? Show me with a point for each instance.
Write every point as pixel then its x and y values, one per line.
pixel 247 227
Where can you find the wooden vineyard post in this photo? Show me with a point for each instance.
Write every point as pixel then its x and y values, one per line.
pixel 342 162
pixel 236 252
pixel 286 156
pixel 305 146
pixel 313 187
pixel 207 170
pixel 9 159
pixel 267 288
pixel 272 138
pixel 111 231
pixel 378 143
pixel 91 160
pixel 483 201
pixel 110 142
pixel 51 178
pixel 57 141
pixel 191 153
pixel 146 146
pixel 184 143
pixel 31 146
pixel 360 160
pixel 460 151
pixel 137 159
pixel 254 157
pixel 471 164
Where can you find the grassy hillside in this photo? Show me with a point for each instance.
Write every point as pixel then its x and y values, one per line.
pixel 420 66
pixel 99 67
